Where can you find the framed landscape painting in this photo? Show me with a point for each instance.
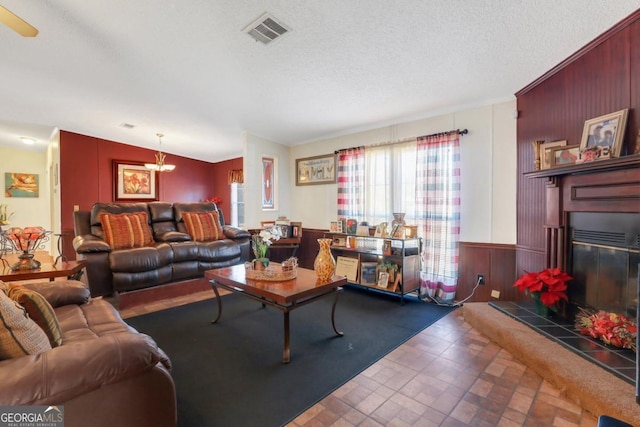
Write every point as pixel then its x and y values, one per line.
pixel 132 182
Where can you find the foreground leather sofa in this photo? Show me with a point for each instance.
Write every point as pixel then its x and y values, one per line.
pixel 172 255
pixel 104 373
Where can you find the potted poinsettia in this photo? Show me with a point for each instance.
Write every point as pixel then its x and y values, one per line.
pixel 547 287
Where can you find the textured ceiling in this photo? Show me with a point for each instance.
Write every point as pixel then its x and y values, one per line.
pixel 186 69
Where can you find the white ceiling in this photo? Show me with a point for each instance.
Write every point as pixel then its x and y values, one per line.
pixel 186 69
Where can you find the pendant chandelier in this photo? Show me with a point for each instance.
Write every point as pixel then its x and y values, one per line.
pixel 160 165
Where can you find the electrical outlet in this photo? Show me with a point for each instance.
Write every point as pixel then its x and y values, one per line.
pixel 495 294
pixel 480 280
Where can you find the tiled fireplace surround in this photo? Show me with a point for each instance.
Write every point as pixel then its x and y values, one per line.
pixel 604 187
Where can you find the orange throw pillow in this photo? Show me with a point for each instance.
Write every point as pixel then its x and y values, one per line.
pixel 203 226
pixel 126 231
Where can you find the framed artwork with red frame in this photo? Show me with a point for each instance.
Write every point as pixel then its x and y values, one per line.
pixel 269 177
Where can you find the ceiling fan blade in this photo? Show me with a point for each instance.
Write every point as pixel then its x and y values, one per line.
pixel 16 23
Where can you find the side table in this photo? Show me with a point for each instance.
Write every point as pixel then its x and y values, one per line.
pixel 70 269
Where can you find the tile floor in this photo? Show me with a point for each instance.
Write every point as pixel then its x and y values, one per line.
pixel 447 375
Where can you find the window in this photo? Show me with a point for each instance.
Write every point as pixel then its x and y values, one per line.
pixel 421 179
pixel 237 205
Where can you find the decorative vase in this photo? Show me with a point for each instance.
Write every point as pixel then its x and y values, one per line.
pixel 324 264
pixel 398 220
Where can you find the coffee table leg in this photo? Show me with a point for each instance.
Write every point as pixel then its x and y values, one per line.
pixel 219 300
pixel 333 313
pixel 286 354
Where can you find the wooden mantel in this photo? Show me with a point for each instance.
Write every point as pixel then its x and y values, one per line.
pixel 611 185
pixel 601 165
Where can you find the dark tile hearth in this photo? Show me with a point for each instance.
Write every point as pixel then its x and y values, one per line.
pixel 620 362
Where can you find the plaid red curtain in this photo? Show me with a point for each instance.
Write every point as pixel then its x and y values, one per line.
pixel 351 174
pixel 438 213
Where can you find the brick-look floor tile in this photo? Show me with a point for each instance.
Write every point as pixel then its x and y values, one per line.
pixel 464 411
pixel 520 402
pixel 481 387
pixel 370 403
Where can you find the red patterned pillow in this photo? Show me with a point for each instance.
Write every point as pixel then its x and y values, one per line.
pixel 203 226
pixel 126 231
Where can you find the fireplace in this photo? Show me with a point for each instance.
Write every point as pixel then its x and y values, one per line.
pixel 603 257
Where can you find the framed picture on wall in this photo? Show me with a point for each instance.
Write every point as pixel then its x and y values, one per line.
pixel 17 184
pixel 316 170
pixel 133 182
pixel 268 183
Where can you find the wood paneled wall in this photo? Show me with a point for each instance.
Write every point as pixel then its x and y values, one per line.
pixel 496 262
pixel 601 78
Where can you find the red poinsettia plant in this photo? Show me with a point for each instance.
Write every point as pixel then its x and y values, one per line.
pixel 215 199
pixel 548 286
pixel 611 328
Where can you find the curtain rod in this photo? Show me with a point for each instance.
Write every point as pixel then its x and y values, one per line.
pixel 458 131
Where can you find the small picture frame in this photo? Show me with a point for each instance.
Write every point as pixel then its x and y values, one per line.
pixel 283 229
pixel 368 273
pixel 605 134
pixel 386 247
pixel 545 152
pixel 352 226
pixel 564 156
pixel 333 226
pixel 397 282
pixel 339 241
pixel 398 232
pixel 381 230
pixel 383 279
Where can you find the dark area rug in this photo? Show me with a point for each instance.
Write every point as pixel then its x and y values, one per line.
pixel 231 373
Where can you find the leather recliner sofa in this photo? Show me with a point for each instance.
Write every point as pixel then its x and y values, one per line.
pixel 104 373
pixel 173 256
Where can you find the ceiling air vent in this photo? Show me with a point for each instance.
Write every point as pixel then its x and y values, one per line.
pixel 266 29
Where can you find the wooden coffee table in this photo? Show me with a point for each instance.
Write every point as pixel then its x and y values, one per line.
pixel 286 296
pixel 68 269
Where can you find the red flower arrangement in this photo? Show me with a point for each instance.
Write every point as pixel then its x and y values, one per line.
pixel 547 286
pixel 613 329
pixel 217 200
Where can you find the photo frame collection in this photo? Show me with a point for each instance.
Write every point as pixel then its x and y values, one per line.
pixel 602 138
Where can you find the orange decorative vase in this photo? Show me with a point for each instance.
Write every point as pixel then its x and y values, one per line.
pixel 325 264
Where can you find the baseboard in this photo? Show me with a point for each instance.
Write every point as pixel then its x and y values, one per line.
pixel 161 292
pixel 590 386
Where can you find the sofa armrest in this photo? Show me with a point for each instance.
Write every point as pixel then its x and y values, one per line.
pixel 59 293
pixel 67 371
pixel 88 243
pixel 235 232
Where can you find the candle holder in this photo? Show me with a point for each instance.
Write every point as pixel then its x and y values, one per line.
pixel 26 242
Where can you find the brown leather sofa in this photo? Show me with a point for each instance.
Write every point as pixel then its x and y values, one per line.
pixel 105 373
pixel 173 256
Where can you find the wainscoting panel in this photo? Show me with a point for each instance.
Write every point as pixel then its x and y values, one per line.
pixel 497 262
